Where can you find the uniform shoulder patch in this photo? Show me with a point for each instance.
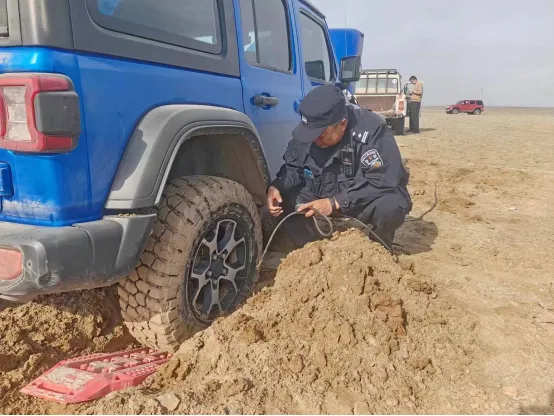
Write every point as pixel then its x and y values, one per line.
pixel 372 159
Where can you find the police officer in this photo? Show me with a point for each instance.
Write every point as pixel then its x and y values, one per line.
pixel 342 160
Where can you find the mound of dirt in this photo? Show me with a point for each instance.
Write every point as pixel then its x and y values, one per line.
pixel 345 329
pixel 37 335
pixel 455 204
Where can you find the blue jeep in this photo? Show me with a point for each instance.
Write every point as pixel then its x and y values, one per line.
pixel 137 141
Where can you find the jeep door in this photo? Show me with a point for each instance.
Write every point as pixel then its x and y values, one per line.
pixel 272 88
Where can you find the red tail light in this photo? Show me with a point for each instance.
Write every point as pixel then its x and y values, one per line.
pixel 11 264
pixel 401 105
pixel 21 110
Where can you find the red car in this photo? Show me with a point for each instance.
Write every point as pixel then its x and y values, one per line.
pixel 466 106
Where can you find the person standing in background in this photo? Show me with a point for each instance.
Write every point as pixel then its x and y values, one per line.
pixel 415 104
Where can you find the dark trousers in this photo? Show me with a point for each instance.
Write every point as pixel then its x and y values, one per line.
pixel 414 116
pixel 384 215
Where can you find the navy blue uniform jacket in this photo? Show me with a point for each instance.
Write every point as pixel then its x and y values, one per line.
pixel 378 166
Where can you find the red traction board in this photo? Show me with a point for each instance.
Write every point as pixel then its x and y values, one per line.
pixel 92 377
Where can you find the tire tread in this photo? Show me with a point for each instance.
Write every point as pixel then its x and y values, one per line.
pixel 149 298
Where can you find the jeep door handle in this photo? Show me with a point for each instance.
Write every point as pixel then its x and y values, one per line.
pixel 265 101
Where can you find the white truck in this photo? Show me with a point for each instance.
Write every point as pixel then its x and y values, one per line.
pixel 382 91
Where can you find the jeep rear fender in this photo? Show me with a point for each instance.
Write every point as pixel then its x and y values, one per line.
pixel 180 140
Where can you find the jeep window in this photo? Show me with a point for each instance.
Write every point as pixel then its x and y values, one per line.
pixel 193 24
pixel 472 102
pixel 4 18
pixel 315 50
pixel 249 31
pixel 266 34
pixel 479 102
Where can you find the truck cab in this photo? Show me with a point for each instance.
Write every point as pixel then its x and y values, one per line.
pixel 347 42
pixel 137 141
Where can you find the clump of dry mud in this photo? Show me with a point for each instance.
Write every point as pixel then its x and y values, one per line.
pixel 37 335
pixel 345 329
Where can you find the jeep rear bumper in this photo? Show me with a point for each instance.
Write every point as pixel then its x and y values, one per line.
pixel 84 256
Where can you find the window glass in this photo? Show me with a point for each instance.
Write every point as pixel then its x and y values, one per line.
pixel 249 31
pixel 190 23
pixel 266 33
pixel 315 50
pixel 381 85
pixel 372 85
pixel 361 86
pixel 392 86
pixel 4 18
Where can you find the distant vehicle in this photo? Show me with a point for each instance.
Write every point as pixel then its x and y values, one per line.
pixel 466 106
pixel 381 91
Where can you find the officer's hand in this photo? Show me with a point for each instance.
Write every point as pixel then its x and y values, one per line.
pixel 273 201
pixel 322 205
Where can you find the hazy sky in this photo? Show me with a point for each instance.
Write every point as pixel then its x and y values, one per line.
pixel 456 48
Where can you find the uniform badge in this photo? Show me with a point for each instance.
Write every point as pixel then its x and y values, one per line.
pixel 372 159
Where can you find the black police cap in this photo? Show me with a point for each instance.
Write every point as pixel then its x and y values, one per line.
pixel 322 107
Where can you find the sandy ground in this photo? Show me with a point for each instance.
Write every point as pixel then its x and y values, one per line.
pixel 489 245
pixel 461 322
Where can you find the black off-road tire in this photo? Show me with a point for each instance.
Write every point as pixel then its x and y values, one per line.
pixel 477 112
pixel 155 298
pixel 455 111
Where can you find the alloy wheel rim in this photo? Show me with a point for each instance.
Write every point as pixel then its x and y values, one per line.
pixel 218 269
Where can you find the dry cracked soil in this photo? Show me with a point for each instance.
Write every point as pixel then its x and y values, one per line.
pixel 461 320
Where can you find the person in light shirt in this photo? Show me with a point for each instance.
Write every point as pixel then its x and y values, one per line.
pixel 415 104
